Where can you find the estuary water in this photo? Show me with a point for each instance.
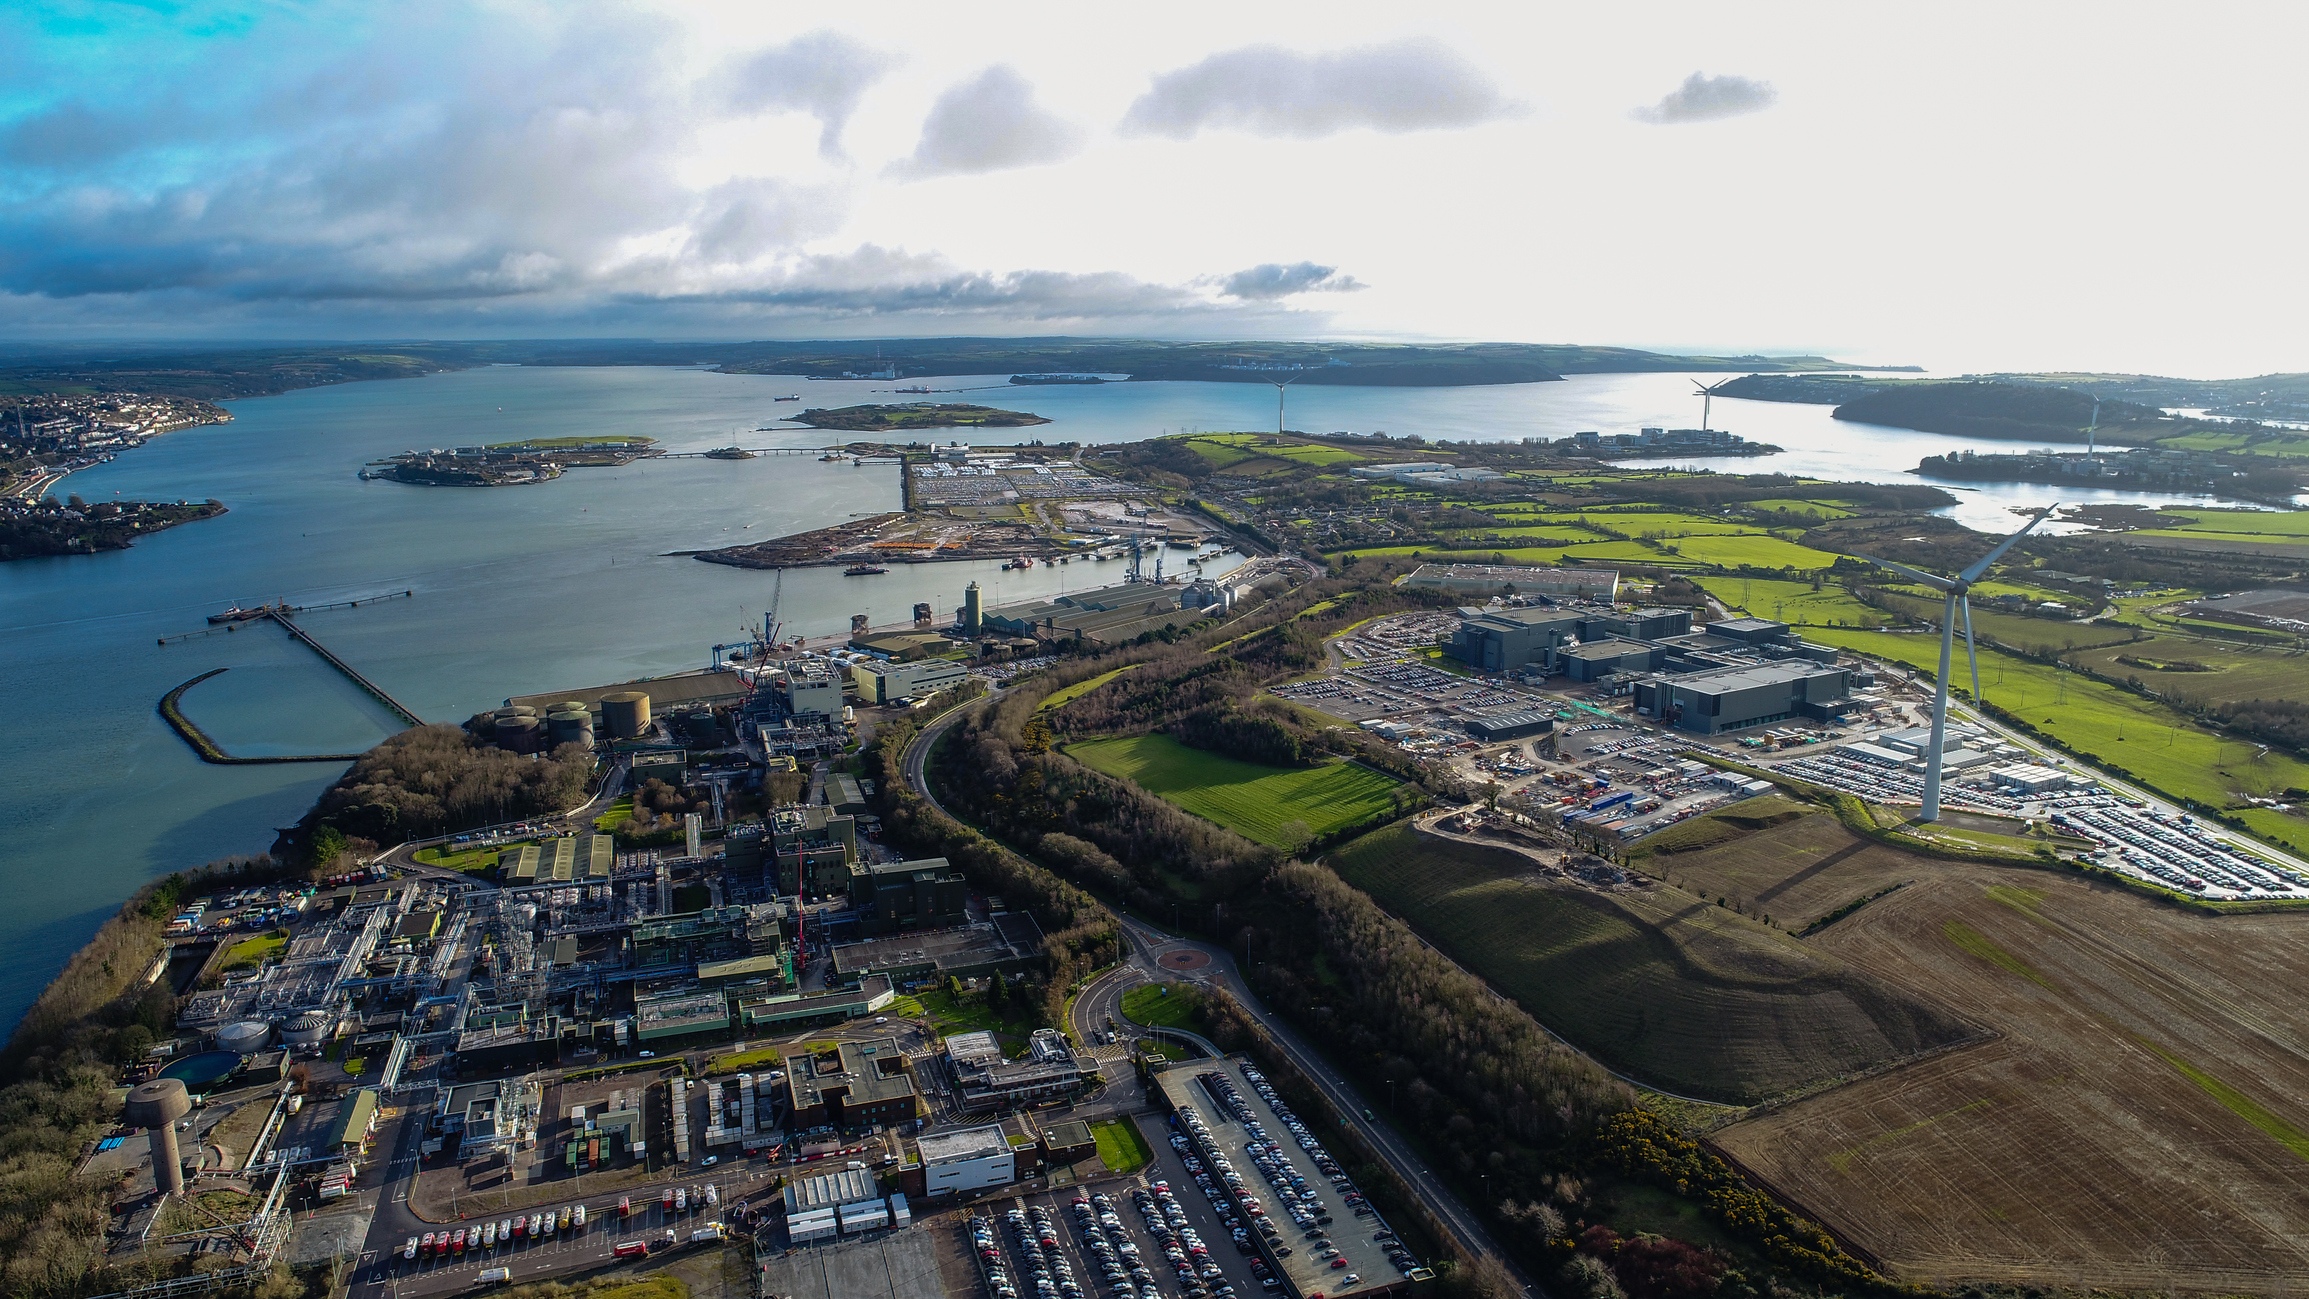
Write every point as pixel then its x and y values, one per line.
pixel 565 584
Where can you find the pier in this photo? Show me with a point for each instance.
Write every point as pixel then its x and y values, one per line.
pixel 376 691
pixel 258 615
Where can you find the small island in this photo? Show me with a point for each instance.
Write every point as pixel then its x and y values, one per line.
pixel 508 464
pixel 916 415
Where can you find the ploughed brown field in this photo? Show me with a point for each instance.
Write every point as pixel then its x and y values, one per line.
pixel 2141 1121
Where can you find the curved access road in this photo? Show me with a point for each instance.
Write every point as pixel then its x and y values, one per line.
pixel 1215 965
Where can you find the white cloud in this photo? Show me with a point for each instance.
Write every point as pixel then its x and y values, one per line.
pixel 989 123
pixel 824 74
pixel 1413 84
pixel 1703 98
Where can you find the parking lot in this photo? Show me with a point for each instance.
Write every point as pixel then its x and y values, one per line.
pixel 2176 852
pixel 1128 1238
pixel 1316 1225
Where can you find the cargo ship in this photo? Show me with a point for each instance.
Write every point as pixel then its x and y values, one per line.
pixel 863 570
pixel 794 397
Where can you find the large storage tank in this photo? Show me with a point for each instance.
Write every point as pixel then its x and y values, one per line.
pixel 570 727
pixel 246 1036
pixel 567 706
pixel 625 713
pixel 520 734
pixel 308 1029
pixel 518 710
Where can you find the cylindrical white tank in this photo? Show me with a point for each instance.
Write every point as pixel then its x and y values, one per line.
pixel 307 1029
pixel 246 1036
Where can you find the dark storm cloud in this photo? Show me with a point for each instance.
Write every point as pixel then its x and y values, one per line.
pixel 989 123
pixel 1276 280
pixel 1407 85
pixel 1704 98
pixel 823 74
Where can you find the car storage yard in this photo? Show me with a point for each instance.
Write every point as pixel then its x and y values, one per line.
pixel 1221 1109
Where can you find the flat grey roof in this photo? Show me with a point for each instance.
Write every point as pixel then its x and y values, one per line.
pixel 964 1143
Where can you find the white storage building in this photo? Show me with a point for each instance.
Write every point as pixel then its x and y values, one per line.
pixel 966 1160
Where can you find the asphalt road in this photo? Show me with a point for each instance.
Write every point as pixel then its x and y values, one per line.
pixel 1149 943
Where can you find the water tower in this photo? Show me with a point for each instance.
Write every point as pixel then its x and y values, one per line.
pixel 157 1105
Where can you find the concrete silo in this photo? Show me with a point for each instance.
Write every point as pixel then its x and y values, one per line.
pixel 156 1106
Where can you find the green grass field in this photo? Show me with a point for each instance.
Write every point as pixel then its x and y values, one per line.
pixel 1158 1005
pixel 1662 984
pixel 1794 602
pixel 249 953
pixel 1121 1147
pixel 1259 803
pixel 620 812
pixel 2147 739
pixel 473 861
pixel 2268 525
pixel 1061 698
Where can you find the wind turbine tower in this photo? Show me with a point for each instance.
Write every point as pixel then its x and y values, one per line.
pixel 2092 431
pixel 1707 400
pixel 1957 600
pixel 1280 385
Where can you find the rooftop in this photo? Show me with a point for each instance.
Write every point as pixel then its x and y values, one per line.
pixel 861 1072
pixel 963 1143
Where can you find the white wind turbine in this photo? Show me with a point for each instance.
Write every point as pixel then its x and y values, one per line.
pixel 1958 600
pixel 1707 399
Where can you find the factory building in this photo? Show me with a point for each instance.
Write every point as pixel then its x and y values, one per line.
pixel 969 1159
pixel 1548 636
pixel 924 894
pixel 852 1084
pixel 1010 943
pixel 1518 579
pixel 810 688
pixel 1497 728
pixel 809 850
pixel 890 683
pixel 671 944
pixel 1502 640
pixel 900 646
pixel 1596 660
pixel 985 1080
pixel 1108 615
pixel 1736 698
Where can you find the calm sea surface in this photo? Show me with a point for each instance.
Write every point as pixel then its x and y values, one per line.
pixel 561 585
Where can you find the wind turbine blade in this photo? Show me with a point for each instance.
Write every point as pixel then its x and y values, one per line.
pixel 1935 582
pixel 1981 566
pixel 1971 654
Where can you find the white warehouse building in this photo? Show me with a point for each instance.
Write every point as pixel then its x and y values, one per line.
pixel 967 1159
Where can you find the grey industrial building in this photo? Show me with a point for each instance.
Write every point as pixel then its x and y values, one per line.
pixel 1552 637
pixel 1516 724
pixel 1518 579
pixel 1736 698
pixel 1108 615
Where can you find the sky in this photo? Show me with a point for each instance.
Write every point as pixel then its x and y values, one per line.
pixel 2111 186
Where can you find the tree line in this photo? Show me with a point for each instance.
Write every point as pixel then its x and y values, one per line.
pixel 431 780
